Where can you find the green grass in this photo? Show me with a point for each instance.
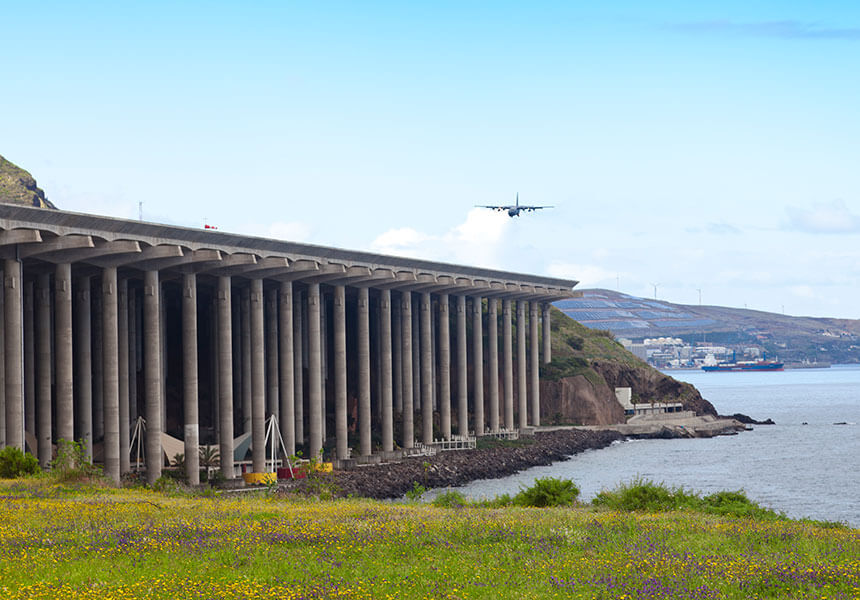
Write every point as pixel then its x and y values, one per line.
pixel 101 543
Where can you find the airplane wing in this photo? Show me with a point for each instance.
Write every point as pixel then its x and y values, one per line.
pixel 493 207
pixel 531 208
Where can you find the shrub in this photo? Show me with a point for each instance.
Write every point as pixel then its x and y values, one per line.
pixel 72 463
pixel 17 463
pixel 645 495
pixel 166 485
pixel 416 492
pixel 574 341
pixel 450 499
pixel 548 491
pixel 497 502
pixel 564 366
pixel 735 504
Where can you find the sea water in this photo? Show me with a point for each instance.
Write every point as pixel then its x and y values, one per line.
pixel 807 465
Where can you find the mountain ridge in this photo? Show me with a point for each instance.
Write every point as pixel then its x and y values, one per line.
pixel 18 186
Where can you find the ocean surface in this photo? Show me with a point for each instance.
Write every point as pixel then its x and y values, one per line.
pixel 807 465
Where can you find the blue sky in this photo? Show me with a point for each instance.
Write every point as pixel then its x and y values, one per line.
pixel 696 146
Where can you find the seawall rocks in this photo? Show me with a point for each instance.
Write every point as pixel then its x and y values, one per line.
pixel 455 468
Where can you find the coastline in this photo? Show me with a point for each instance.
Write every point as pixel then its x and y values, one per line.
pixel 500 459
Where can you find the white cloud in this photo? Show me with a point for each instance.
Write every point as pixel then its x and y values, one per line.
pixel 824 217
pixel 480 241
pixel 403 241
pixel 587 275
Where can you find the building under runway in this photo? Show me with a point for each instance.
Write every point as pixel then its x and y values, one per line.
pixel 205 334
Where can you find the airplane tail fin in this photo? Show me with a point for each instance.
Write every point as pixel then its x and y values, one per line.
pixel 518 198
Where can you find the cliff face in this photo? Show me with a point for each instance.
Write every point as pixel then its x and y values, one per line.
pixel 17 186
pixel 576 400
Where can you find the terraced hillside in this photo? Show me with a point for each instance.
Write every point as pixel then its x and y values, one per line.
pixel 793 339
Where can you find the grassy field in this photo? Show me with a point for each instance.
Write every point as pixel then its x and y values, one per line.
pixel 100 543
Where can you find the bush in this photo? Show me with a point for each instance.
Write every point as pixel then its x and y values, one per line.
pixel 416 492
pixel 16 463
pixel 564 366
pixel 166 485
pixel 450 499
pixel 735 504
pixel 548 491
pixel 72 463
pixel 497 502
pixel 645 495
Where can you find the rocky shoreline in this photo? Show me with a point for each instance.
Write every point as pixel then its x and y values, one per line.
pixel 455 468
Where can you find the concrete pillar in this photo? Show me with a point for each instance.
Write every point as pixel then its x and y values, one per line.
pixel 165 366
pixel 416 355
pixel 122 357
pixel 462 374
pixel 547 333
pixel 315 400
pixel 534 371
pixel 110 373
pixel 272 380
pixel 13 343
pixel 213 352
pixel 246 354
pixel 98 365
pixel 84 367
pixel 397 354
pixel 406 361
pixel 43 367
pixel 133 354
pixel 298 367
pixel 340 408
pixel 258 378
pixel 493 361
pixel 426 336
pixel 522 385
pixel 29 362
pixel 63 350
pixel 152 373
pixel 287 419
pixel 190 386
pixel 444 367
pixel 508 363
pixel 236 345
pixel 3 362
pixel 364 371
pixel 478 364
pixel 387 396
pixel 225 376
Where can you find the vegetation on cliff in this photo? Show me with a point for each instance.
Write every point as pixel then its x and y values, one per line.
pixel 17 186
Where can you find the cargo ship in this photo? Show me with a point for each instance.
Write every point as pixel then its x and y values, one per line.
pixel 745 365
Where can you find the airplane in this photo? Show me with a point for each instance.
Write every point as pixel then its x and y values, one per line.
pixel 516 209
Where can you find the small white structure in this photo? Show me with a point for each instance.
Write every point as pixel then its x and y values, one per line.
pixel 624 395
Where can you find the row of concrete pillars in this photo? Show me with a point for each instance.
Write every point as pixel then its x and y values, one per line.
pixel 83 357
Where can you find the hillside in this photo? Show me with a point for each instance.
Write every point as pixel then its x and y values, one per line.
pixel 17 186
pixel 793 339
pixel 578 386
